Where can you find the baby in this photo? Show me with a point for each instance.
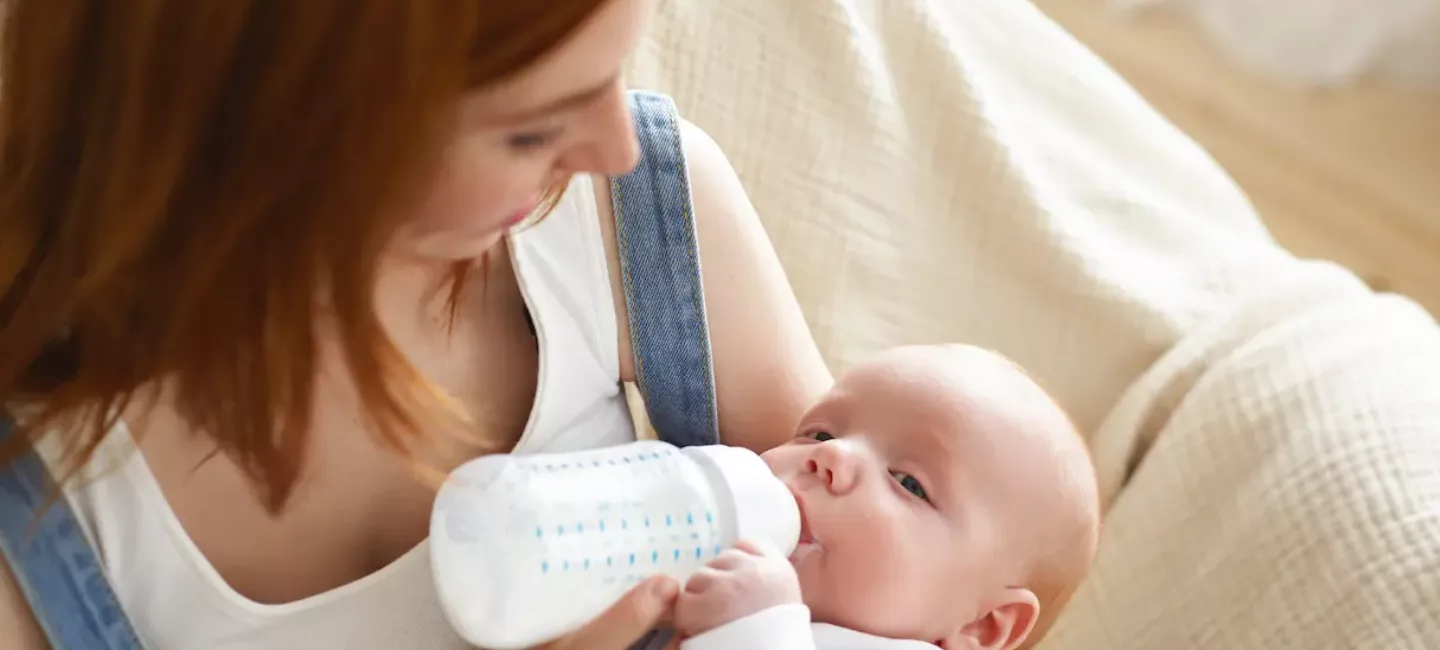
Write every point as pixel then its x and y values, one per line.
pixel 946 500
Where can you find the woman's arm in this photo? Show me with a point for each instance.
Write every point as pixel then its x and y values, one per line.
pixel 767 368
pixel 18 630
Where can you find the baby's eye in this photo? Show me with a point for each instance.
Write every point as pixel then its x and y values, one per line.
pixel 821 436
pixel 911 484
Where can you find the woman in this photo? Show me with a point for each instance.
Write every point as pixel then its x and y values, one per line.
pixel 273 239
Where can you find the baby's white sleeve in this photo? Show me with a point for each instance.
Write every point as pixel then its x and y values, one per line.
pixel 785 627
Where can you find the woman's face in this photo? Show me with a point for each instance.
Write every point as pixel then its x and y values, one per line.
pixel 565 115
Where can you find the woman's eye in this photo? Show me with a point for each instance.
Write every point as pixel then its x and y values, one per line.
pixel 525 142
pixel 821 436
pixel 911 485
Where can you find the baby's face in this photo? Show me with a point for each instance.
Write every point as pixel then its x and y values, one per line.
pixel 915 476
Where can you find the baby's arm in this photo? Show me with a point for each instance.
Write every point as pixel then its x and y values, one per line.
pixel 748 597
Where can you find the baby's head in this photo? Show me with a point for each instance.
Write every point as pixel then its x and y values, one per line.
pixel 946 499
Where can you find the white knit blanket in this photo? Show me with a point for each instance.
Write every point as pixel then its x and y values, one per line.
pixel 1267 429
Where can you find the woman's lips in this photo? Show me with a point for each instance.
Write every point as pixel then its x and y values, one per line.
pixel 518 218
pixel 523 213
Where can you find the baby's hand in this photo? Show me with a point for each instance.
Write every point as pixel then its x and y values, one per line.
pixel 739 582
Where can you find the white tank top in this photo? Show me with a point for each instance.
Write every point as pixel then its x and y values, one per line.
pixel 177 601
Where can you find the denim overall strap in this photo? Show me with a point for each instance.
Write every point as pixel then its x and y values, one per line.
pixel 53 563
pixel 660 271
pixel 664 300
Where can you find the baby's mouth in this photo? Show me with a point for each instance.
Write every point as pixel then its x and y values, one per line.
pixel 807 542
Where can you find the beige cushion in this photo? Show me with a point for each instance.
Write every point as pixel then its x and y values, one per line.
pixel 963 170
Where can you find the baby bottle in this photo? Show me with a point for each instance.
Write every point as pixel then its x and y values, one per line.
pixel 528 548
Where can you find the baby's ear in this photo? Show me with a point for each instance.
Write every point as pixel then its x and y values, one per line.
pixel 1004 627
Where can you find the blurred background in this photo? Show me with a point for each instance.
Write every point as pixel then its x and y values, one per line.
pixel 1326 112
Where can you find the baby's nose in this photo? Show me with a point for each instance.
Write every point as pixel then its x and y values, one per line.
pixel 833 464
pixel 812 466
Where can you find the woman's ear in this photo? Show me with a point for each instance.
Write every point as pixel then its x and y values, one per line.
pixel 1005 626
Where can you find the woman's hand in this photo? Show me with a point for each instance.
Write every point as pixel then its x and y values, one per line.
pixel 627 621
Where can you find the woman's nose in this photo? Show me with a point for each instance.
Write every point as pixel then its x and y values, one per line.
pixel 835 464
pixel 613 149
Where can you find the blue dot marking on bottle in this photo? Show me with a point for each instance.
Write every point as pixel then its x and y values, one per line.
pixel 709 519
pixel 544 567
pixel 647 521
pixel 539 532
pixel 567 565
pixel 560 530
pixel 667 520
pixel 624 525
pixel 580 527
pixel 689 519
pixel 587 564
pixel 602 525
pixel 698 551
pixel 609 561
pixel 632 559
pixel 677 555
pixel 717 549
pixel 654 557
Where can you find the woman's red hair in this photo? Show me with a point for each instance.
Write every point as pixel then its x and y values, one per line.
pixel 185 185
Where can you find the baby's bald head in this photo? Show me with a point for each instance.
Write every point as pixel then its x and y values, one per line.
pixel 1041 477
pixel 990 491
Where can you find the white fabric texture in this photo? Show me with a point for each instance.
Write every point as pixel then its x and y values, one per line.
pixel 178 601
pixel 788 627
pixel 1267 429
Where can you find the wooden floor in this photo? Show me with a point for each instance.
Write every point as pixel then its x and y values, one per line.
pixel 1349 175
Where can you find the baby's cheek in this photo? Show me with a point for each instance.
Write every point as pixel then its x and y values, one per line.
pixel 870 578
pixel 864 596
